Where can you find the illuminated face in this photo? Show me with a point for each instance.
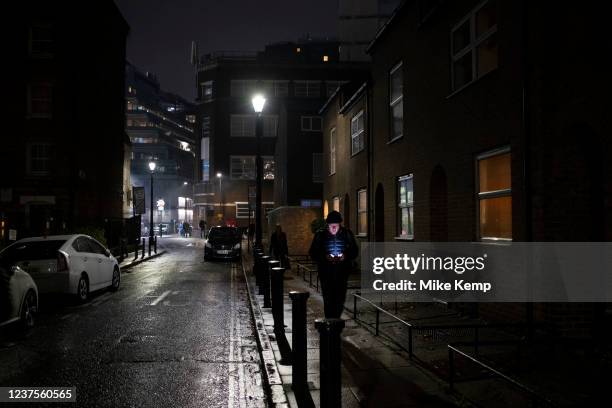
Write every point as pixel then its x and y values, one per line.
pixel 333 228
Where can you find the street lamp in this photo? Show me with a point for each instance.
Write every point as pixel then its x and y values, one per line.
pixel 152 168
pixel 259 102
pixel 220 177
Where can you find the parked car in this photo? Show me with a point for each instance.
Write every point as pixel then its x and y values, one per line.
pixel 72 264
pixel 223 242
pixel 164 228
pixel 18 297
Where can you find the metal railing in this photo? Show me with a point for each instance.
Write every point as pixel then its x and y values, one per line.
pixel 536 399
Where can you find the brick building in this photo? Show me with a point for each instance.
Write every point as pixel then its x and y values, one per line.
pixel 296 78
pixel 486 124
pixel 64 166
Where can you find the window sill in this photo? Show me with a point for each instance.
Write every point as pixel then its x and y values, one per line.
pixel 469 84
pixel 361 235
pixel 395 139
pixel 356 153
pixel 406 238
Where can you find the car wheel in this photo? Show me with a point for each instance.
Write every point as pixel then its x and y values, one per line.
pixel 83 289
pixel 116 280
pixel 28 308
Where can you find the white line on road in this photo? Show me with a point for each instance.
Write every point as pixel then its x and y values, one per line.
pixel 160 298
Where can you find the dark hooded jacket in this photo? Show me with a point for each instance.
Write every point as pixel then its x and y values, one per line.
pixel 325 243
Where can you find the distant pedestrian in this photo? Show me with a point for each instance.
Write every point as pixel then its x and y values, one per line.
pixel 202 228
pixel 180 229
pixel 278 246
pixel 334 249
pixel 186 229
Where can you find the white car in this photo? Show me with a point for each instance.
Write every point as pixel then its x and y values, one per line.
pixel 72 264
pixel 18 297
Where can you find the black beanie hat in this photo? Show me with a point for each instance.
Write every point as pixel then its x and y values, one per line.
pixel 333 217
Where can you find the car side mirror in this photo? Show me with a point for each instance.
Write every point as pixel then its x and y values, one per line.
pixel 108 253
pixel 13 270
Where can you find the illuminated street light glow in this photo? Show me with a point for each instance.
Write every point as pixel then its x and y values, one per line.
pixel 219 175
pixel 258 103
pixel 152 166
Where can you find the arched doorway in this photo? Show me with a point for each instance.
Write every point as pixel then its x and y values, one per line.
pixel 379 214
pixel 347 211
pixel 438 205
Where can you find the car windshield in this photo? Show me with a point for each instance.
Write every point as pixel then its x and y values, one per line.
pixel 227 233
pixel 31 251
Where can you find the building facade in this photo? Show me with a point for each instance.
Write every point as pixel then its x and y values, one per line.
pixel 65 169
pixel 295 77
pixel 486 124
pixel 160 126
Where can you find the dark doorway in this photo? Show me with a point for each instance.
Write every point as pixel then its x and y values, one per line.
pixel 379 214
pixel 438 206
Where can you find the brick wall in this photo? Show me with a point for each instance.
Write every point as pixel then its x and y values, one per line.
pixel 295 221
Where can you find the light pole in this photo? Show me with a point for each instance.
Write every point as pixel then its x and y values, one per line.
pixel 222 208
pixel 258 105
pixel 152 168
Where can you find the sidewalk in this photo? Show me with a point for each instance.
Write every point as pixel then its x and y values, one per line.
pixel 130 261
pixel 375 373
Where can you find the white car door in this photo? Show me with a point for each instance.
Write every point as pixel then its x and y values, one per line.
pixel 105 264
pixel 85 259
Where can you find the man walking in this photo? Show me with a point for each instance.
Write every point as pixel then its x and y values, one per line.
pixel 334 249
pixel 278 246
pixel 202 228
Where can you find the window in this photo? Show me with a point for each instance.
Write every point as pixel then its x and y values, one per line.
pixel 281 88
pixel 311 123
pixel 474 45
pixel 326 58
pixel 242 87
pixel 207 91
pixel 268 167
pixel 190 118
pixel 270 125
pixel 396 102
pixel 332 151
pixel 357 135
pixel 40 100
pixel 308 89
pixel 41 41
pixel 242 209
pixel 206 126
pixel 39 159
pixel 242 125
pixel 242 167
pixel 317 167
pixel 495 195
pixel 336 203
pixel 362 212
pixel 405 203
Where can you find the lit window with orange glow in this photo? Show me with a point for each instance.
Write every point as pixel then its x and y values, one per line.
pixel 495 195
pixel 298 50
pixel 325 58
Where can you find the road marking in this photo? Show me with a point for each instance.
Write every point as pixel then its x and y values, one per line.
pixel 160 298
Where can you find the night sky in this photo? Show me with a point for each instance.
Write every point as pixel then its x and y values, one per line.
pixel 161 31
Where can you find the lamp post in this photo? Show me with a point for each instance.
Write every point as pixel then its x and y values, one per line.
pixel 258 105
pixel 222 207
pixel 152 168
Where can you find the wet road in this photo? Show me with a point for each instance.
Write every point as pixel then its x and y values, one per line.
pixel 177 334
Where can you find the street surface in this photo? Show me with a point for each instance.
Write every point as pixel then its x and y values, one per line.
pixel 178 333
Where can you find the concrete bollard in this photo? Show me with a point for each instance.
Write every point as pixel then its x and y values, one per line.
pixel 330 358
pixel 155 244
pixel 299 342
pixel 150 245
pixel 143 248
pixel 257 254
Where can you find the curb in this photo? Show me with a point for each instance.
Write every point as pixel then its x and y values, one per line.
pixel 141 260
pixel 273 385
